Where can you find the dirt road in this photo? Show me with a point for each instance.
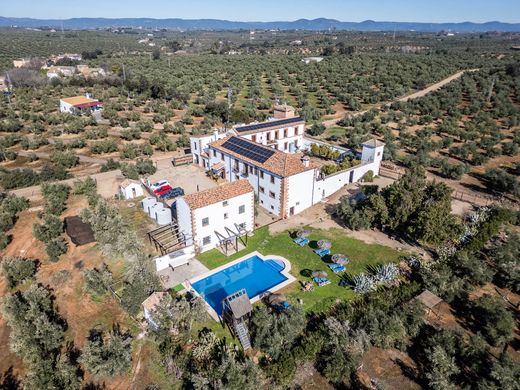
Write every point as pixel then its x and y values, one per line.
pixel 415 95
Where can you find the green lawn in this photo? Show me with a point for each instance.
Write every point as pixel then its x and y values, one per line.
pixel 334 131
pixel 362 256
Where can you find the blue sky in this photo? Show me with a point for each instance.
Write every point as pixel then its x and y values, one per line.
pixel 269 10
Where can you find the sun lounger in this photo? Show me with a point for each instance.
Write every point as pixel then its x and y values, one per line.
pixel 319 251
pixel 282 306
pixel 321 281
pixel 298 240
pixel 324 252
pixel 304 242
pixel 336 268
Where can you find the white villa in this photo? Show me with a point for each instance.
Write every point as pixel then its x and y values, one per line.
pixel 79 104
pixel 283 180
pixel 130 189
pixel 211 218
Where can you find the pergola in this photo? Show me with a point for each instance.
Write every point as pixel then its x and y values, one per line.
pixel 232 238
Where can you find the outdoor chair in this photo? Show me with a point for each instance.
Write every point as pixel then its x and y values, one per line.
pixel 336 268
pixel 321 281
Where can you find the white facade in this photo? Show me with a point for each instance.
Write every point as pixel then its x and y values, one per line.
pixel 206 227
pixel 267 186
pixel 131 189
pixel 287 139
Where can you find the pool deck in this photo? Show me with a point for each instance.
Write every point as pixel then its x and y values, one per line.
pixel 285 272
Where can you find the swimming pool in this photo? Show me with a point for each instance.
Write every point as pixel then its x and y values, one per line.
pixel 254 273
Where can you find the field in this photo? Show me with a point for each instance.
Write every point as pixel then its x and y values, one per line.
pixel 363 258
pixel 155 97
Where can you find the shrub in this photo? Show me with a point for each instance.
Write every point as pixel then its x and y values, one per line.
pixel 98 280
pixel 18 269
pixel 51 229
pixel 55 248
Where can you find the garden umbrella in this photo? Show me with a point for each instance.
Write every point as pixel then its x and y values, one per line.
pixel 303 233
pixel 274 299
pixel 319 274
pixel 324 244
pixel 339 259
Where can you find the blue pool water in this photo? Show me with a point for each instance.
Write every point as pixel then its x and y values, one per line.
pixel 253 274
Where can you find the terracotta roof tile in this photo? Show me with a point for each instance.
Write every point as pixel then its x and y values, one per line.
pixel 280 163
pixel 218 194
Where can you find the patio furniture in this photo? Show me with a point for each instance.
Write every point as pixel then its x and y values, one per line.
pixel 308 287
pixel 340 259
pixel 324 244
pixel 282 306
pixel 304 242
pixel 336 268
pixel 321 281
pixel 322 252
pixel 303 233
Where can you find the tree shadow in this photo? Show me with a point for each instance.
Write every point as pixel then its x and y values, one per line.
pixel 94 386
pixel 8 381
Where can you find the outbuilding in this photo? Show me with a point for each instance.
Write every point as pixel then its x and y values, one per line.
pixel 79 105
pixel 130 189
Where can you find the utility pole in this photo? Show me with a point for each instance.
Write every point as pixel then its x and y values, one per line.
pixel 8 87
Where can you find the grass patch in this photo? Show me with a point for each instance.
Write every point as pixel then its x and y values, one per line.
pixel 335 131
pixel 362 257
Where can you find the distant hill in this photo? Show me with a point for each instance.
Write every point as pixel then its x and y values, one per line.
pixel 215 24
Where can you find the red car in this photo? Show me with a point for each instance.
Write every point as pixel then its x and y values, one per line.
pixel 162 190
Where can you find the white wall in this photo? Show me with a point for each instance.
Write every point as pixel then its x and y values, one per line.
pixel 333 183
pixel 184 220
pixel 65 107
pixel 300 191
pixel 294 135
pixel 199 144
pixel 127 192
pixel 264 199
pixel 218 222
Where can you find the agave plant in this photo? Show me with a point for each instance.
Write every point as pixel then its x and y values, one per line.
pixel 413 261
pixel 386 273
pixel 363 283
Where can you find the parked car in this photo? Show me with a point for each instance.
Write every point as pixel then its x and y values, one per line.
pixel 174 193
pixel 159 184
pixel 163 190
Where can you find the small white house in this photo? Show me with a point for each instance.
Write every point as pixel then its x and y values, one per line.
pixel 79 104
pixel 150 305
pixel 130 189
pixel 209 218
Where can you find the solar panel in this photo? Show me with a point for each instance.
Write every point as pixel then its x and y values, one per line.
pixel 248 149
pixel 263 125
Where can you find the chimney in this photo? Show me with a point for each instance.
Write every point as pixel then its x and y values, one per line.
pixel 306 161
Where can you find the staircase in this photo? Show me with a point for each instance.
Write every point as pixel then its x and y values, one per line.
pixel 243 334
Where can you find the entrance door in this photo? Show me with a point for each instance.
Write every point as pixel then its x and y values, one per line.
pixel 351 177
pixel 291 211
pixel 134 193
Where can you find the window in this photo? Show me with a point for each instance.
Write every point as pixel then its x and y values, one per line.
pixel 222 156
pixel 272 194
pixel 251 169
pixel 286 133
pixel 206 240
pixel 242 225
pixel 261 189
pixel 205 221
pixel 253 138
pixel 195 146
pixel 226 215
pixel 225 203
pixel 242 209
pixel 214 153
pixel 272 179
pixel 261 174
